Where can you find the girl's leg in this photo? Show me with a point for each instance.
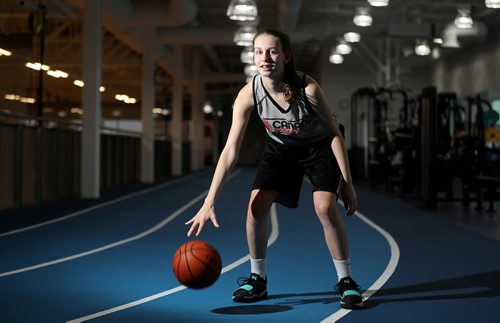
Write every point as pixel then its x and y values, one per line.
pixel 257 222
pixel 325 205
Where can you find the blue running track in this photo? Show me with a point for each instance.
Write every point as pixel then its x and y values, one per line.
pixel 112 263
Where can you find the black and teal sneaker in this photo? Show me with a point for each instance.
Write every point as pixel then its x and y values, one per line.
pixel 350 296
pixel 251 289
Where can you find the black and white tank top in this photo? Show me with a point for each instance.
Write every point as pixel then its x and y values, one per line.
pixel 298 125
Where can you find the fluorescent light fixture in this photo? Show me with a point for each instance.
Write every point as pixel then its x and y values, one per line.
pixel 125 98
pixel 78 83
pixel 422 48
pixel 4 52
pixel 247 55
pixel 378 3
pixel 244 35
pixel 352 37
pixel 495 4
pixel 336 58
pixel 242 10
pixel 463 19
pixel 37 66
pixel 343 47
pixel 57 74
pixel 15 97
pixel 362 17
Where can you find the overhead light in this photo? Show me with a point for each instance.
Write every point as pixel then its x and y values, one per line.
pixel 244 35
pixel 15 97
pixel 247 55
pixel 4 52
pixel 362 17
pixel 250 70
pixel 343 47
pixel 125 98
pixel 78 83
pixel 208 108
pixel 242 10
pixel 492 4
pixel 37 66
pixel 422 48
pixel 57 74
pixel 463 19
pixel 378 3
pixel 352 37
pixel 336 58
pixel 437 40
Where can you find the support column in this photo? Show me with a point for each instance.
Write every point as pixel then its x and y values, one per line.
pixel 147 105
pixel 91 133
pixel 176 129
pixel 197 133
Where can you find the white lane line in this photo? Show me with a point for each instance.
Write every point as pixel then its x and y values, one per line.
pixel 272 238
pixel 389 270
pixel 117 243
pixel 120 199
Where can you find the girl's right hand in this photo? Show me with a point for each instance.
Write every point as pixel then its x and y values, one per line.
pixel 207 212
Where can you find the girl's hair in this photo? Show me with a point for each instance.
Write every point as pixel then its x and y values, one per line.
pixel 292 87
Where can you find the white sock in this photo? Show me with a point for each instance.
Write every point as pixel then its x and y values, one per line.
pixel 258 266
pixel 343 268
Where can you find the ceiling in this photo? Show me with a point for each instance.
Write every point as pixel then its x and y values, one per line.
pixel 196 24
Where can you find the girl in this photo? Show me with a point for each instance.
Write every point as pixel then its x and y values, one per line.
pixel 303 138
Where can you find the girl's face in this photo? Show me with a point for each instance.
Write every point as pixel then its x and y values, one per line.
pixel 269 56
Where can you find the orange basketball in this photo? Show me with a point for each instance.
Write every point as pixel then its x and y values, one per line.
pixel 196 264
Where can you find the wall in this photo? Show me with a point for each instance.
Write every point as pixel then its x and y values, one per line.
pixel 473 69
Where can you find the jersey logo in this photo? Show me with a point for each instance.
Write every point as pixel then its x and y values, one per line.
pixel 283 126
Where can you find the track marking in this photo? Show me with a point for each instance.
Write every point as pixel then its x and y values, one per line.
pixel 120 199
pixel 272 238
pixel 389 270
pixel 117 243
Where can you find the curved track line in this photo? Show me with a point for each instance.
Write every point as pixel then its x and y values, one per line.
pixel 272 238
pixel 389 270
pixel 71 215
pixel 117 243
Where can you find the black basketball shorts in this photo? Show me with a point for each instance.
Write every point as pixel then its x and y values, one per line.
pixel 281 168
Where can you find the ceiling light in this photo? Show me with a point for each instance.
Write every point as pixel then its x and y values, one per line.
pixel 352 37
pixel 57 73
pixel 463 19
pixel 37 66
pixel 242 10
pixel 492 4
pixel 378 3
pixel 247 55
pixel 244 35
pixel 208 108
pixel 336 58
pixel 5 52
pixel 422 48
pixel 362 17
pixel 250 70
pixel 343 47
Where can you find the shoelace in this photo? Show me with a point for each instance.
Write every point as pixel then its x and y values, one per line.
pixel 340 291
pixel 247 280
